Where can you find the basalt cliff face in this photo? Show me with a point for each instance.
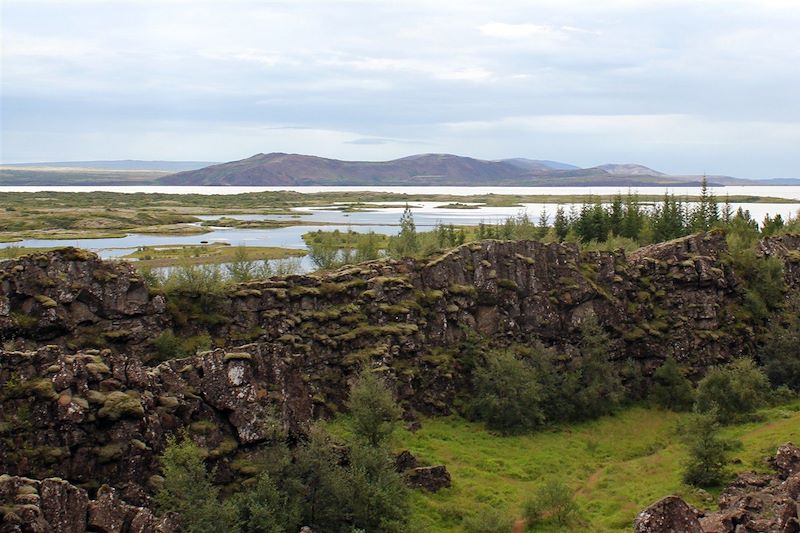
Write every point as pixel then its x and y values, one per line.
pixel 80 403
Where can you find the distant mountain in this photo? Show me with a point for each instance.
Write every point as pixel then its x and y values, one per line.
pixel 629 169
pixel 124 164
pixel 293 169
pixel 279 169
pixel 290 170
pixel 538 164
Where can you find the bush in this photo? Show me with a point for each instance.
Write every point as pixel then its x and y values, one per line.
pixel 780 353
pixel 188 490
pixel 365 493
pixel 265 509
pixel 552 503
pixel 671 389
pixel 708 453
pixel 373 409
pixel 732 391
pixel 762 276
pixel 488 520
pixel 507 394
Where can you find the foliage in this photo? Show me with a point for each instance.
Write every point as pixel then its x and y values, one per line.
pixel 707 451
pixel 488 520
pixel 188 490
pixel 780 352
pixel 732 391
pixel 266 509
pixel 365 493
pixel 507 394
pixel 552 503
pixel 373 409
pixel 671 389
pixel 762 276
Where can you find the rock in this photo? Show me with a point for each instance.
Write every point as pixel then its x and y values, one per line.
pixel 60 507
pixel 405 460
pixel 787 460
pixel 669 515
pixel 430 478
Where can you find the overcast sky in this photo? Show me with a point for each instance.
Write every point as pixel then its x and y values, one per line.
pixel 681 86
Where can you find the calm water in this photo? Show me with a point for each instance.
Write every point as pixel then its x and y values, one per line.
pixel 384 221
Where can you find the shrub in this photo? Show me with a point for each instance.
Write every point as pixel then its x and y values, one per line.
pixel 507 394
pixel 671 389
pixel 488 520
pixel 552 503
pixel 763 277
pixel 265 509
pixel 187 490
pixel 708 452
pixel 780 353
pixel 732 390
pixel 373 409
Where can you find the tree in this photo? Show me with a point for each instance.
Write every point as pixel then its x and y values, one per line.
pixel 780 353
pixel 708 452
pixel 732 391
pixel 507 394
pixel 671 389
pixel 596 384
pixel 561 224
pixel 188 490
pixel 265 509
pixel 552 503
pixel 405 244
pixel 373 410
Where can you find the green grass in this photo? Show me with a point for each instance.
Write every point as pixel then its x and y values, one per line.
pixel 616 465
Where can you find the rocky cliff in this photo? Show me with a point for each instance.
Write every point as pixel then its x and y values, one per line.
pixel 79 402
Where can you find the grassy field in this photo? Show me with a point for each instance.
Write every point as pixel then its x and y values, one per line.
pixel 616 465
pixel 163 256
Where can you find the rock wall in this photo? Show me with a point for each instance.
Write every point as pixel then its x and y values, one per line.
pixel 288 346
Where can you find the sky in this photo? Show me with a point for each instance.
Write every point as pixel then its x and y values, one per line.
pixel 685 87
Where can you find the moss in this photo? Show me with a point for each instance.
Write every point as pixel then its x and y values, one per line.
pixel 24 320
pixel 168 402
pixel 429 297
pixel 452 308
pixel 43 388
pixel 301 291
pixel 237 356
pixel 244 293
pixel 396 281
pixel 394 309
pixel 45 301
pixel 117 335
pixel 120 404
pixel 202 426
pixel 367 330
pixel 228 445
pixel 508 284
pixel 635 334
pixel 110 452
pixel 97 370
pixel 95 396
pixel 643 296
pixel 463 290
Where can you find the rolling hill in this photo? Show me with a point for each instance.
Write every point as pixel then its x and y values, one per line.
pixel 279 169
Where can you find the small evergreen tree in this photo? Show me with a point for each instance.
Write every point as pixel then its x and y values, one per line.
pixel 671 389
pixel 188 491
pixel 708 452
pixel 373 409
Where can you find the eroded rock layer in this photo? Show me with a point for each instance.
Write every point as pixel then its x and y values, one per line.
pixel 79 402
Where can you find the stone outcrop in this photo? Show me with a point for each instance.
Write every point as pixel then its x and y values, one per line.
pixel 78 402
pixel 55 506
pixel 753 503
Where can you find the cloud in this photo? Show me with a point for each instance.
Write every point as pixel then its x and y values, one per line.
pixel 555 79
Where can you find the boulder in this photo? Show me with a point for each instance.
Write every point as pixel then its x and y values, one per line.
pixel 430 478
pixel 669 515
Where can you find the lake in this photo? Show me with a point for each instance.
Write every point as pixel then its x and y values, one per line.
pixel 383 220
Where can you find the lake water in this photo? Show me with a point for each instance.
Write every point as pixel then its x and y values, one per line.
pixel 384 220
